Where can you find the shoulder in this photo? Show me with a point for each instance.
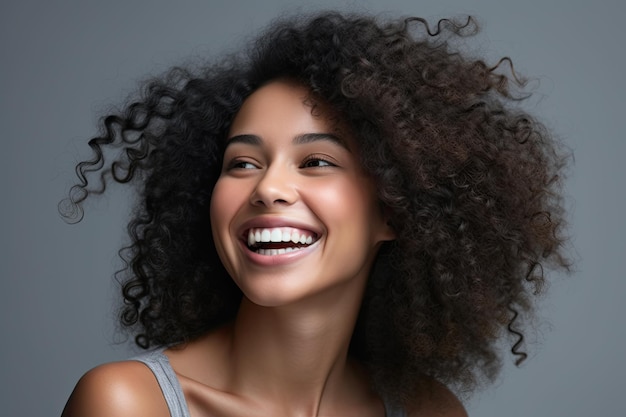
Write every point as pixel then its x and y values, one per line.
pixel 117 389
pixel 436 400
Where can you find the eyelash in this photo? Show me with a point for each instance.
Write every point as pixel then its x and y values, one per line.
pixel 238 164
pixel 319 158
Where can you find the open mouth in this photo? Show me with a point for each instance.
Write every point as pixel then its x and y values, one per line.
pixel 279 240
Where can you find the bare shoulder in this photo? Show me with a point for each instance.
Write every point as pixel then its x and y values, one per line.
pixel 117 389
pixel 436 400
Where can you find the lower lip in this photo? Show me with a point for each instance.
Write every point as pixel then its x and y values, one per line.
pixel 274 260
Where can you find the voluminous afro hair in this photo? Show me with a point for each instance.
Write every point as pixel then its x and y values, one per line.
pixel 470 181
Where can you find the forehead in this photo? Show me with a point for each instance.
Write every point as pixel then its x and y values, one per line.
pixel 284 105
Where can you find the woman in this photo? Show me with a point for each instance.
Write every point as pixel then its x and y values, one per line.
pixel 341 221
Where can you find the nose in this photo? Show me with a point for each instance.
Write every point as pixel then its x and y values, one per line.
pixel 275 187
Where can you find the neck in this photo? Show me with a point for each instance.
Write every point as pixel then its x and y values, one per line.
pixel 295 354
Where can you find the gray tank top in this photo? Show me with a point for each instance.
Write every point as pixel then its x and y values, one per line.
pixel 173 393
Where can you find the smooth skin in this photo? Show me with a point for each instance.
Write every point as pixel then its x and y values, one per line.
pixel 286 353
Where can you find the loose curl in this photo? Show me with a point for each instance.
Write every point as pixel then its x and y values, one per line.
pixel 471 182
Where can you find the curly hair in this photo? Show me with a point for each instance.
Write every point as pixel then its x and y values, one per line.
pixel 471 181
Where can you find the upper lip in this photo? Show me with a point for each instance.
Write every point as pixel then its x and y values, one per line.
pixel 274 221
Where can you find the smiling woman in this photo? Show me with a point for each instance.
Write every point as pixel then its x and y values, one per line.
pixel 340 221
pixel 297 177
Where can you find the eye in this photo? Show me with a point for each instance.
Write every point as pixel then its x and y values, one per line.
pixel 317 161
pixel 239 164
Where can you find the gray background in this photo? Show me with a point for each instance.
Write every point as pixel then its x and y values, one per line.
pixel 63 63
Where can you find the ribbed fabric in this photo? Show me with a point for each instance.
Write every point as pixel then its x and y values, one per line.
pixel 173 393
pixel 389 412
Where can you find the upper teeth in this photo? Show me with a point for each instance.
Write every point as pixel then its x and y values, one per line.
pixel 279 234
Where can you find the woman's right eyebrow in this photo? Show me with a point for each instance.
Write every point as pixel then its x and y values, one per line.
pixel 245 139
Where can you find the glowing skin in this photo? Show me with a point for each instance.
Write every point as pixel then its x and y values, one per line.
pixel 297 225
pixel 293 214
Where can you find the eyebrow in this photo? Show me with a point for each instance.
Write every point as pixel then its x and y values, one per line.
pixel 297 140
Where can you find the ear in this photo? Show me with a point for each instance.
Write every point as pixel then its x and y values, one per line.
pixel 387 231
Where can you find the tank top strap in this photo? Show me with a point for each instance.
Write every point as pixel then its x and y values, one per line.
pixel 391 411
pixel 160 366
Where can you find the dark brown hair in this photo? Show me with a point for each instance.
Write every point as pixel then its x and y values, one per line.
pixel 471 182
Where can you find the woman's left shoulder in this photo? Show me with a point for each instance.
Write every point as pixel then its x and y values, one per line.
pixel 436 400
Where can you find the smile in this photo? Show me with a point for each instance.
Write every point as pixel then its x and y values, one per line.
pixel 279 240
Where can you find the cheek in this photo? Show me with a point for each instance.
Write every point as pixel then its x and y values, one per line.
pixel 223 208
pixel 349 203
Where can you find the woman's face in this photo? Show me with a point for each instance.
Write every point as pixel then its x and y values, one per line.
pixel 293 214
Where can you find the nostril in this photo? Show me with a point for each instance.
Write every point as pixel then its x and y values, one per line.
pixel 273 191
